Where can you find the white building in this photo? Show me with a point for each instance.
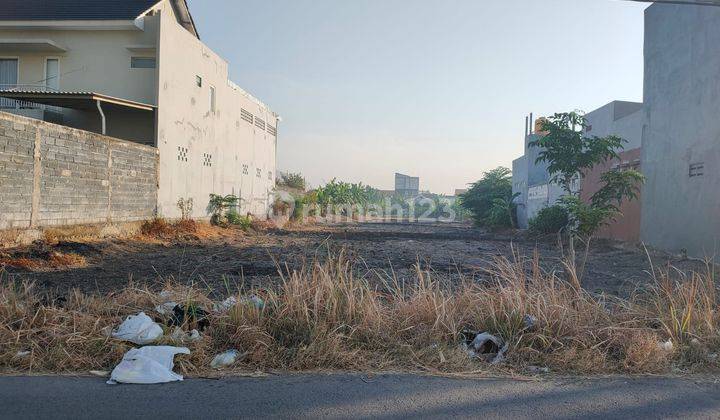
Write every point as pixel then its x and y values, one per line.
pixel 137 70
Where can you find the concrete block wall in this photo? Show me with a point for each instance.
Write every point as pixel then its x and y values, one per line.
pixel 52 175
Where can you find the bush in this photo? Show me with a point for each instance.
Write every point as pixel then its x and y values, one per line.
pixel 490 200
pixel 222 209
pixel 549 220
pixel 298 210
pixel 292 180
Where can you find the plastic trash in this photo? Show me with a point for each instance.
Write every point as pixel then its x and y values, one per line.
pixel 24 353
pixel 485 343
pixel 148 365
pixel 231 302
pixel 667 346
pixel 255 300
pixel 488 345
pixel 529 321
pixel 191 314
pixel 166 308
pixel 100 373
pixel 183 337
pixel 225 359
pixel 225 305
pixel 139 329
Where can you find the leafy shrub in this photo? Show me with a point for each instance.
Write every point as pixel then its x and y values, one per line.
pixel 292 180
pixel 298 210
pixel 222 207
pixel 549 220
pixel 490 200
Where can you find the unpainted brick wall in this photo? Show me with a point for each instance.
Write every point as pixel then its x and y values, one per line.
pixel 72 177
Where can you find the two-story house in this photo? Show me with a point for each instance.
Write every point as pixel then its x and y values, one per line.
pixel 137 70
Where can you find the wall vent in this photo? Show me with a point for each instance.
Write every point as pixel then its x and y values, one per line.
pixel 207 159
pixel 697 169
pixel 246 116
pixel 182 154
pixel 259 123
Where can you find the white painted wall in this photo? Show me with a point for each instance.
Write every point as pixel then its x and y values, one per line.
pixel 187 126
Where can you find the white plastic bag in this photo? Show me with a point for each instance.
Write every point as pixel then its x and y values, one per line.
pixel 139 329
pixel 488 344
pixel 180 336
pixel 166 308
pixel 148 365
pixel 225 359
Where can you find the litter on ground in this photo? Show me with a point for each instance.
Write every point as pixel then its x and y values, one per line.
pixel 487 346
pixel 181 336
pixel 148 365
pixel 139 329
pixel 225 359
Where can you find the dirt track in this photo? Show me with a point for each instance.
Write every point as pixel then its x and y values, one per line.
pixel 450 250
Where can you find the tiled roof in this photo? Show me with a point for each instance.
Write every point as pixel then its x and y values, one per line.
pixel 73 9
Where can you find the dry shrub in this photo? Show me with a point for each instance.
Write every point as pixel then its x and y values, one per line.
pixel 19 263
pixel 60 260
pixel 162 229
pixel 327 316
pixel 49 261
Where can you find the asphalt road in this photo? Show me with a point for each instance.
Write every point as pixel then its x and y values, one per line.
pixel 342 396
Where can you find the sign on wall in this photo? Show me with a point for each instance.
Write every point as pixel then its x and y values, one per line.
pixel 538 192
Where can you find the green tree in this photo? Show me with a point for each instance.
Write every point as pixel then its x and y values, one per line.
pixel 570 155
pixel 490 200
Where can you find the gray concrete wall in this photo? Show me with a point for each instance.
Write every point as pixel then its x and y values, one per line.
pixel 682 101
pixel 618 118
pixel 52 175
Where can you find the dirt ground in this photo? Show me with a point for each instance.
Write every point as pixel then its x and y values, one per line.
pixel 242 260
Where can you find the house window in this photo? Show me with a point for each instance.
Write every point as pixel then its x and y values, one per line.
pixel 8 79
pixel 259 123
pixel 52 74
pixel 270 175
pixel 207 159
pixel 212 98
pixel 198 81
pixel 697 169
pixel 143 62
pixel 246 169
pixel 259 173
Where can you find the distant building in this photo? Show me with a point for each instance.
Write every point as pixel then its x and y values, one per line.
pixel 407 185
pixel 460 191
pixel 625 120
pixel 531 180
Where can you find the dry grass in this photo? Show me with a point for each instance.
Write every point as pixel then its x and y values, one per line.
pixel 329 317
pixel 51 261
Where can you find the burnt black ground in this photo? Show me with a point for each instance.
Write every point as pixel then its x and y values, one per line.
pixel 449 251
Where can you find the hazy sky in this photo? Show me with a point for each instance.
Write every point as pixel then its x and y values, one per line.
pixel 436 89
